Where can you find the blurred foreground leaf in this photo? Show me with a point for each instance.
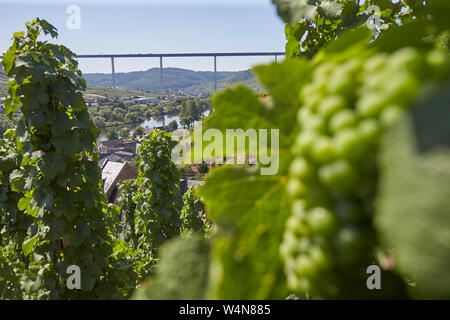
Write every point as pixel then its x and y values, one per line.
pixel 414 200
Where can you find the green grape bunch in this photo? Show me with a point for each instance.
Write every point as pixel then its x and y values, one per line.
pixel 329 239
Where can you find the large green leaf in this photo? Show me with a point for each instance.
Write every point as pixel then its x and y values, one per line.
pixel 414 200
pixel 250 211
pixel 28 245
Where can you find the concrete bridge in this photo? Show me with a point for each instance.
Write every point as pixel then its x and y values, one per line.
pixel 214 55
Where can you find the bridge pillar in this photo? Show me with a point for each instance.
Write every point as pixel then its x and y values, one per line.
pixel 161 73
pixel 215 73
pixel 113 74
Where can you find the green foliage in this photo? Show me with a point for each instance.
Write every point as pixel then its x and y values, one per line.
pixel 309 229
pixel 314 23
pixel 413 204
pixel 175 79
pixel 193 214
pixel 124 133
pixel 51 182
pixel 172 126
pixel 152 202
pixel 190 111
pixel 138 131
pixel 112 134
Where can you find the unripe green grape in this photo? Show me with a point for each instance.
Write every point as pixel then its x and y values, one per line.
pixel 369 130
pixel 375 63
pixel 343 79
pixel 286 250
pixel 322 73
pixel 299 284
pixel 298 226
pixel 408 59
pixel 402 89
pixel 437 58
pixel 339 175
pixel 439 61
pixel 349 144
pixel 342 119
pixel 303 244
pixel 299 209
pixel 321 220
pixel 371 104
pixel 303 114
pixel 304 266
pixel 391 115
pixel 330 105
pixel 337 167
pixel 310 95
pixel 319 257
pixel 313 122
pixel 340 82
pixel 305 141
pixel 322 150
pixel 295 188
pixel 301 168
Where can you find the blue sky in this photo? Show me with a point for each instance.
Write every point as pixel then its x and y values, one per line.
pixel 155 26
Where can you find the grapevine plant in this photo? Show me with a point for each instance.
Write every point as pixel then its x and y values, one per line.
pixel 311 24
pixel 54 212
pixel 193 214
pixel 152 202
pixel 315 227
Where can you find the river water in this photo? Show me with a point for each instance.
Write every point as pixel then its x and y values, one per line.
pixel 150 123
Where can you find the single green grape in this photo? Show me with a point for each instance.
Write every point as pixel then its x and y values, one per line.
pixel 321 220
pixel 342 119
pixel 391 115
pixel 330 105
pixel 301 168
pixel 349 144
pixel 339 175
pixel 322 150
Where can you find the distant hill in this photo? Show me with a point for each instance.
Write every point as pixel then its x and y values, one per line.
pixel 246 77
pixel 92 89
pixel 174 79
pixel 144 82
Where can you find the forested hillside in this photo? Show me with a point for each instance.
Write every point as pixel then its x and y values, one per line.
pixel 174 79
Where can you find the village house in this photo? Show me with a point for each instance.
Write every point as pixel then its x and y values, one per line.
pixel 112 173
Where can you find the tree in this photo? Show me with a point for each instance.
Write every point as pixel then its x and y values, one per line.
pixel 172 126
pixel 112 134
pixel 193 214
pixel 190 112
pixel 99 121
pixel 138 131
pixel 124 133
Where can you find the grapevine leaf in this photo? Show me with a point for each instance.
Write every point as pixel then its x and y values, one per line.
pixel 331 9
pixel 27 245
pixel 414 200
pixel 23 203
pixel 252 223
